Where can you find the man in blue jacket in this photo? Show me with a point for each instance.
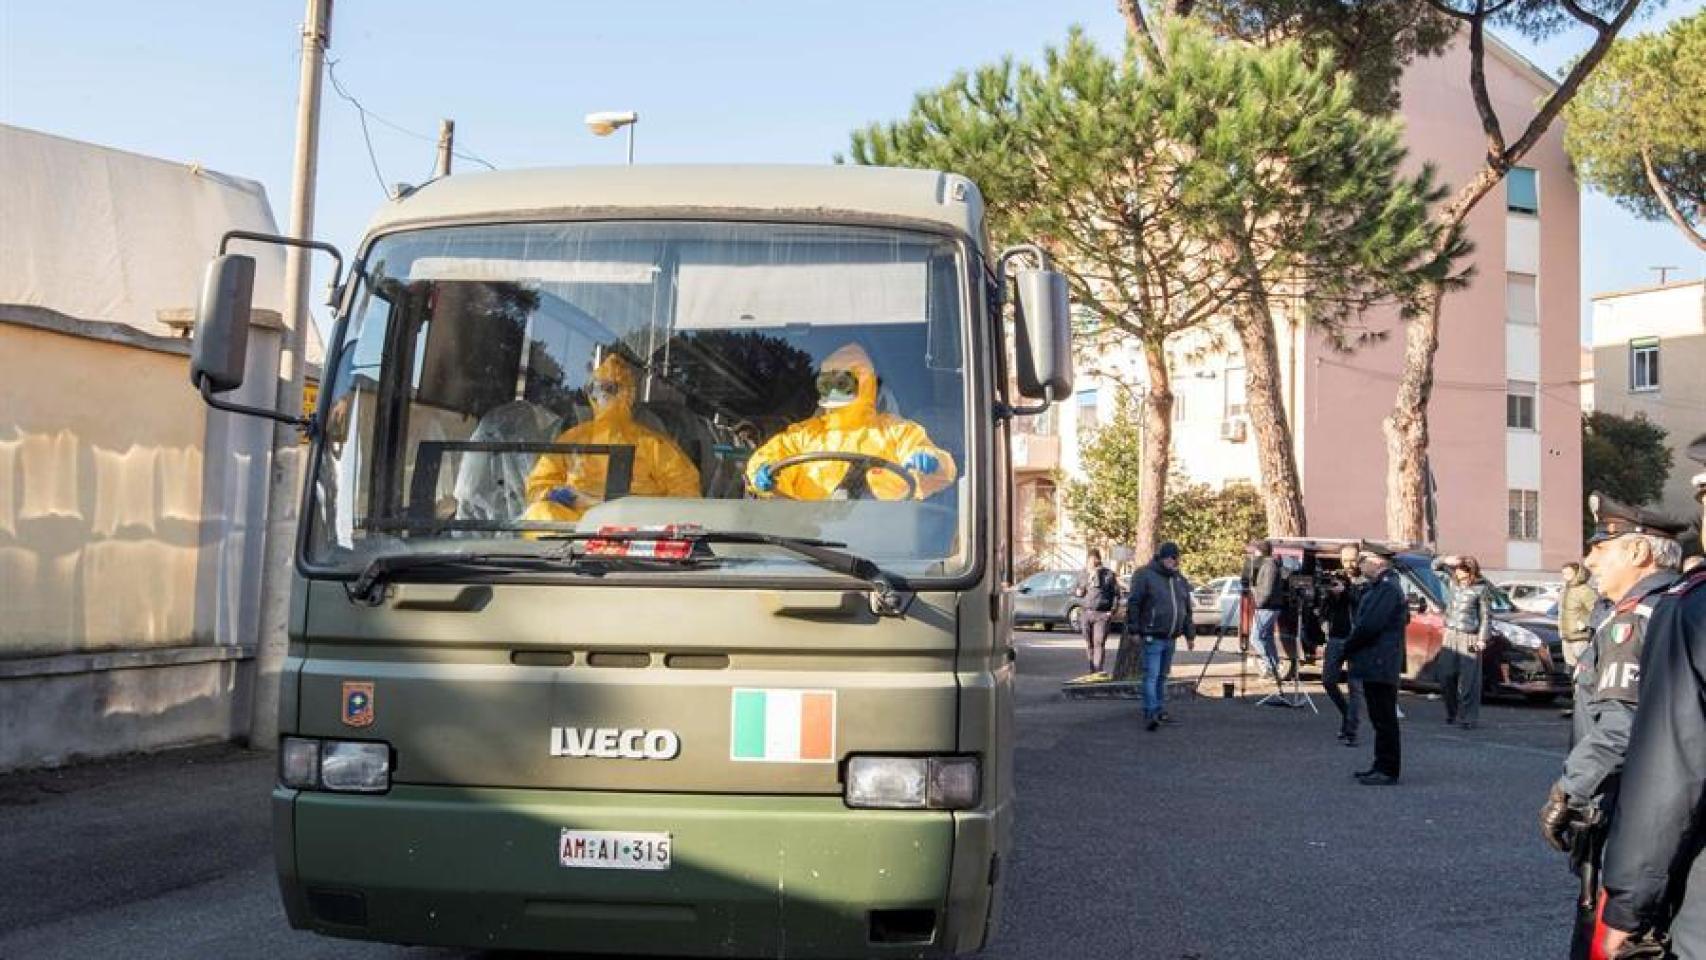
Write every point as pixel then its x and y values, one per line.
pixel 1157 612
pixel 1375 650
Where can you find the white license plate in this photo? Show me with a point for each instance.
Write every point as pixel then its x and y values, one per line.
pixel 611 850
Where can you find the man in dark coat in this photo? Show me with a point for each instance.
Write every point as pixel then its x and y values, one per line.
pixel 1375 649
pixel 1655 875
pixel 1157 612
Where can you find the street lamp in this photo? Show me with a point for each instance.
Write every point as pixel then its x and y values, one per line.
pixel 606 122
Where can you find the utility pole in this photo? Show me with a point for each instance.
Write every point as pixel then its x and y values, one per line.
pixel 446 148
pixel 283 486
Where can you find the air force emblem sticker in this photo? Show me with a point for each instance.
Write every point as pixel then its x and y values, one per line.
pixel 358 703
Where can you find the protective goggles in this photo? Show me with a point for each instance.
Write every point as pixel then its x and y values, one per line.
pixel 837 385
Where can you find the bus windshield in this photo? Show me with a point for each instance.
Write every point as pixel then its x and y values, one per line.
pixel 521 382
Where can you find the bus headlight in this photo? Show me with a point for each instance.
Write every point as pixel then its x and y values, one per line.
pixel 912 783
pixel 299 763
pixel 340 766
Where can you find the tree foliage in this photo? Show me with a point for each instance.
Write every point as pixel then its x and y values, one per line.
pixel 1103 505
pixel 1624 457
pixel 1637 129
pixel 1372 40
pixel 1212 527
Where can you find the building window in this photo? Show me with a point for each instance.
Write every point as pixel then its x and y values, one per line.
pixel 1088 417
pixel 1522 304
pixel 1644 364
pixel 1522 191
pixel 1519 405
pixel 1524 515
pixel 1236 398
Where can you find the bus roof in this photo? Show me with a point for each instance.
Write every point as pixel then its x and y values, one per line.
pixel 925 197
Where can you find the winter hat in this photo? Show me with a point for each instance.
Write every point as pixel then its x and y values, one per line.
pixel 1168 551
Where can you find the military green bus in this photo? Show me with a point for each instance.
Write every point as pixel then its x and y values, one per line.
pixel 650 588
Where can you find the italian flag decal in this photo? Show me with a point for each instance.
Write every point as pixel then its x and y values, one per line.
pixel 782 726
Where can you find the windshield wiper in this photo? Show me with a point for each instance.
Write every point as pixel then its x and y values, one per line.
pixel 890 595
pixel 368 586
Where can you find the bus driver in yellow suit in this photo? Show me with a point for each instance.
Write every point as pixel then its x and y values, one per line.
pixel 849 422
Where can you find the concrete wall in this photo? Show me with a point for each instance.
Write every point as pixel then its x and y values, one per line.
pixel 98 539
pixel 126 554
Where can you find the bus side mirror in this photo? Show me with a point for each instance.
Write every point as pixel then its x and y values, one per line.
pixel 221 344
pixel 1043 335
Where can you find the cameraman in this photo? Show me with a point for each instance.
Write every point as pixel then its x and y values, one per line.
pixel 1337 605
pixel 1266 582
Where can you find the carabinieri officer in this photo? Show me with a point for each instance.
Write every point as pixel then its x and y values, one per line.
pixel 1655 867
pixel 1633 553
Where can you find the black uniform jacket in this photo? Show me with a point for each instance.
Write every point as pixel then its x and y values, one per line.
pixel 1375 647
pixel 1607 690
pixel 1653 862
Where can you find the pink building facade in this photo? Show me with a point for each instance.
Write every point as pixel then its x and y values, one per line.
pixel 1506 410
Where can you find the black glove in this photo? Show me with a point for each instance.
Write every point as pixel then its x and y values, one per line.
pixel 1556 818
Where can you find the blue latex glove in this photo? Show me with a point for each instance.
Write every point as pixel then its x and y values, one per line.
pixel 564 496
pixel 923 462
pixel 764 478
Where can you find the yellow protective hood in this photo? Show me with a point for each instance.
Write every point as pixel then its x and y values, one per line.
pixel 853 357
pixel 620 372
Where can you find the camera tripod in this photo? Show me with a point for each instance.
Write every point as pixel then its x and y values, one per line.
pixel 1298 697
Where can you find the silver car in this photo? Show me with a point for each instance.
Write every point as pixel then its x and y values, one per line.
pixel 1532 596
pixel 1049 599
pixel 1214 605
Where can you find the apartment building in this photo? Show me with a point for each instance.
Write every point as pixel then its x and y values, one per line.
pixel 1649 358
pixel 1505 414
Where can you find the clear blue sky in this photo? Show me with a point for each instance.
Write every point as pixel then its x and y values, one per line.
pixel 758 80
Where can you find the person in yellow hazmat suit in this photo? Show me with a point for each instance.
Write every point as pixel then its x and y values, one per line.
pixel 849 422
pixel 563 486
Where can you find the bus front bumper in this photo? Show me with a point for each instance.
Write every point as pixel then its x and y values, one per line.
pixel 771 875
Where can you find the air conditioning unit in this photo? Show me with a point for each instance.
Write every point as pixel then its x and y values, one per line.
pixel 1232 430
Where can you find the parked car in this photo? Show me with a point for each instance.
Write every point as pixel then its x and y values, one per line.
pixel 1214 605
pixel 1532 595
pixel 1524 657
pixel 1049 599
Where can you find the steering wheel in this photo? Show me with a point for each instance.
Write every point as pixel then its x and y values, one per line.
pixel 858 466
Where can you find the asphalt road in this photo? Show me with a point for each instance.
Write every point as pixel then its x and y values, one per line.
pixel 1237 833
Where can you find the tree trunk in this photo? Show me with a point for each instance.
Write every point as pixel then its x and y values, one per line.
pixel 1157 451
pixel 1282 491
pixel 1151 483
pixel 1276 453
pixel 1406 427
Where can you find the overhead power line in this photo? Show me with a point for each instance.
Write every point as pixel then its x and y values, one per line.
pixel 364 115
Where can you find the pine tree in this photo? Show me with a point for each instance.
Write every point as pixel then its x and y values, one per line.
pixel 1637 131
